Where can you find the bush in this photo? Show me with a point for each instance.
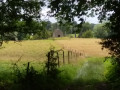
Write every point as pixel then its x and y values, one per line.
pixel 113 76
pixel 31 79
pixel 101 31
pixel 42 35
pixel 87 34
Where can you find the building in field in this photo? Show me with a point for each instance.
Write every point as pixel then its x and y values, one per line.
pixel 57 33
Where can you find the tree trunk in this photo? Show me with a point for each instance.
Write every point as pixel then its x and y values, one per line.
pixel 80 34
pixel 75 34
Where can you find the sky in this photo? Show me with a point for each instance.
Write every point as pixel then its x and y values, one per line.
pixel 44 11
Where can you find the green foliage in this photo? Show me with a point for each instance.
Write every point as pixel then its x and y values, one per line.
pixel 12 12
pixel 51 64
pixel 42 35
pixel 27 79
pixel 85 26
pixel 113 76
pixel 36 30
pixel 105 9
pixel 72 35
pixel 62 9
pixel 54 26
pixel 27 37
pixel 34 75
pixel 87 34
pixel 42 32
pixel 101 31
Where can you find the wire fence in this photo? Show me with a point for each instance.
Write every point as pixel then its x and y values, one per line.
pixel 65 57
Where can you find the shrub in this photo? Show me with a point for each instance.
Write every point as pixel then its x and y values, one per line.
pixel 113 76
pixel 87 34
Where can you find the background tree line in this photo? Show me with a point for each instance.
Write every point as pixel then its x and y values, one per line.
pixel 44 30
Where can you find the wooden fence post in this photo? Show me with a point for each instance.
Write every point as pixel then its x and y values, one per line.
pixel 74 53
pixel 71 54
pixel 58 60
pixel 80 54
pixel 48 66
pixel 68 57
pixel 63 58
pixel 28 67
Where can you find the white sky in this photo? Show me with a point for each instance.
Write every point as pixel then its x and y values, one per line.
pixel 53 20
pixel 92 20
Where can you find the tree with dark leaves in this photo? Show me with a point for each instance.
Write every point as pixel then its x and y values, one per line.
pixel 105 9
pixel 14 11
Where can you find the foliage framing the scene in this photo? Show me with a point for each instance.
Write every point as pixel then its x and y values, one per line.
pixel 105 9
pixel 13 11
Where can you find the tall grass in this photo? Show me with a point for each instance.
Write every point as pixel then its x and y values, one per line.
pixel 27 50
pixel 88 71
pixel 90 47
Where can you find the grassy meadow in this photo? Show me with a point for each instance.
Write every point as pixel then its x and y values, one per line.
pixel 37 49
pixel 84 74
pixel 89 47
pixel 26 50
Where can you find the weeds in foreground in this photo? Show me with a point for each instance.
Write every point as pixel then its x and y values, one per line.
pixel 29 78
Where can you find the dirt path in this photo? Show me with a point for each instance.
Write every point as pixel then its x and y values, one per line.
pixel 90 77
pixel 91 70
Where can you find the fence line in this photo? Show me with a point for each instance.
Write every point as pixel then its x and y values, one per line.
pixel 64 56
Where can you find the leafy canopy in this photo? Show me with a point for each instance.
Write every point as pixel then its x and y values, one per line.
pixel 105 9
pixel 14 11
